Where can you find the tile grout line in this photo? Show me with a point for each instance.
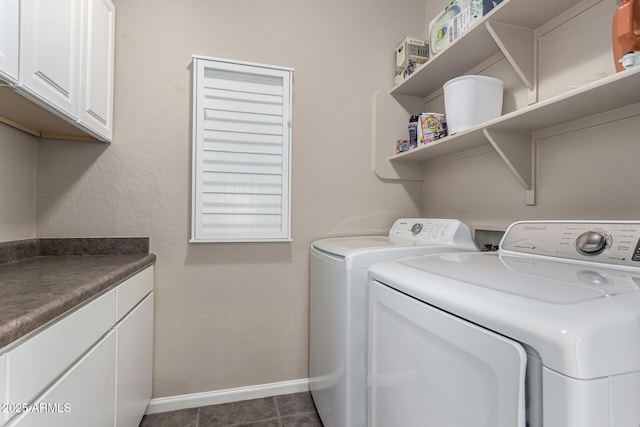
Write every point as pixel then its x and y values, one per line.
pixel 275 402
pixel 244 423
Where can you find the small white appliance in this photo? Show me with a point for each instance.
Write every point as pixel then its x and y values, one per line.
pixel 545 332
pixel 338 280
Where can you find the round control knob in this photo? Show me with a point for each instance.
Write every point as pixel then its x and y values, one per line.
pixel 591 242
pixel 416 228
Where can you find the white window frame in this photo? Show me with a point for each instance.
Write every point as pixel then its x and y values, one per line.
pixel 199 232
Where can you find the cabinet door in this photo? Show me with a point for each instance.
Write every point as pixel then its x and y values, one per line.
pixel 51 53
pixel 134 363
pixel 96 105
pixel 9 39
pixel 83 396
pixel 63 343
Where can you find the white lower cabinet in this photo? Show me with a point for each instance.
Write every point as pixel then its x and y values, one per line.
pixel 83 396
pixel 134 335
pixel 93 367
pixel 85 325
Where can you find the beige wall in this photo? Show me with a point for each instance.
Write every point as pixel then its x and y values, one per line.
pixel 584 174
pixel 585 170
pixel 18 154
pixel 230 315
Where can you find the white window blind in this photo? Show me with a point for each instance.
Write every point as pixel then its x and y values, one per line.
pixel 241 151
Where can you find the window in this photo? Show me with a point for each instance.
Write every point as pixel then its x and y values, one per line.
pixel 241 152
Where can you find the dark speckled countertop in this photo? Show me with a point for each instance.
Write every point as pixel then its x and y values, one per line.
pixel 40 279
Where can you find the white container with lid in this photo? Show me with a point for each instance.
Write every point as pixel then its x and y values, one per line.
pixel 471 100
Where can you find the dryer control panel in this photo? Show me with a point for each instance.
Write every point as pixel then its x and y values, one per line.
pixel 422 231
pixel 603 242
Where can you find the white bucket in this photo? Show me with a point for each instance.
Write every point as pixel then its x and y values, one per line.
pixel 471 100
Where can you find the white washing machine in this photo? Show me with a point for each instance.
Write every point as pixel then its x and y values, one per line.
pixel 338 280
pixel 545 332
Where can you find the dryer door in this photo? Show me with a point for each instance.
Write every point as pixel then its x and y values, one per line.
pixel 429 368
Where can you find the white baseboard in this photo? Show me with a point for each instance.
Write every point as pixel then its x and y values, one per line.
pixel 185 401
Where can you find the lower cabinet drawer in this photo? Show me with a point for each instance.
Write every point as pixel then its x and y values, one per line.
pixel 34 364
pixel 133 290
pixel 83 396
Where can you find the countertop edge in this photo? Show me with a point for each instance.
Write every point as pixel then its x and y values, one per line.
pixel 25 326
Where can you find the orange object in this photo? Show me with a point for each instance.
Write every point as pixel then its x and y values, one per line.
pixel 626 30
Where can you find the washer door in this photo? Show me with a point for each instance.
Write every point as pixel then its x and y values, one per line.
pixel 429 368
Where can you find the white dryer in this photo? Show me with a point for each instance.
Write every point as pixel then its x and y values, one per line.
pixel 338 280
pixel 546 332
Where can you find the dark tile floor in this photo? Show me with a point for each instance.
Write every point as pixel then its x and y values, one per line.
pixel 289 410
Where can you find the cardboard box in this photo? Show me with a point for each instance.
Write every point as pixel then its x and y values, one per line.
pixel 431 127
pixel 402 145
pixel 410 54
pixel 455 20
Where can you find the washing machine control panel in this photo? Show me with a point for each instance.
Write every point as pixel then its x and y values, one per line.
pixel 431 231
pixel 604 242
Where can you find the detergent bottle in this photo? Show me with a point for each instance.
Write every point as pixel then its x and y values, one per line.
pixel 626 30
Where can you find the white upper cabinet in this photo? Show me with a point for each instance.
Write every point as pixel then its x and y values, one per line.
pixel 58 54
pixel 50 55
pixel 9 39
pixel 96 105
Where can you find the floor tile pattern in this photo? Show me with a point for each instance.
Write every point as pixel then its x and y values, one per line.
pixel 289 410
